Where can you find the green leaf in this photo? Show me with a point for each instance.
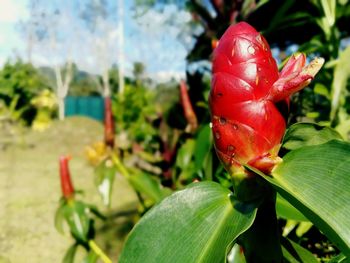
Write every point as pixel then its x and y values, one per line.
pixel 295 253
pixel 303 134
pixel 70 254
pixel 77 215
pixel 193 225
pixel 339 259
pixel 185 153
pixel 59 218
pixel 340 78
pixel 104 178
pixel 147 185
pixel 321 90
pixel 91 257
pixel 315 179
pixel 202 147
pixel 287 211
pixel 303 228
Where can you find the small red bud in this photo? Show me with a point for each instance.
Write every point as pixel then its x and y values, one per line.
pixel 66 183
pixel 109 123
pixel 187 107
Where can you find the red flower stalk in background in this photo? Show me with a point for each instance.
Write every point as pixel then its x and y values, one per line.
pixel 109 123
pixel 246 87
pixel 66 183
pixel 187 107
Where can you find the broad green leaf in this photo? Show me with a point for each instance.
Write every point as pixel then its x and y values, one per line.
pixel 287 211
pixel 315 179
pixel 303 134
pixel 70 254
pixel 295 253
pixel 193 225
pixel 147 185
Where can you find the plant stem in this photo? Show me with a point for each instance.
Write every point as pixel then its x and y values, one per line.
pixel 261 242
pixel 119 165
pixel 98 251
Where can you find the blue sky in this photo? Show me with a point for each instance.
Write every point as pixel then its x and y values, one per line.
pixel 153 39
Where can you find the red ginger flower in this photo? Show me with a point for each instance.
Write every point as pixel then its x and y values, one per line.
pixel 109 123
pixel 66 182
pixel 246 85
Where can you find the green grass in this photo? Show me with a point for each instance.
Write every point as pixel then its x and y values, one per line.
pixel 30 190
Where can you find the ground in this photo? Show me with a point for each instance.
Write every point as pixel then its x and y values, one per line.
pixel 30 190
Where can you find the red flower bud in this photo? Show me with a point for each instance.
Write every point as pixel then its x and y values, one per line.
pixel 247 126
pixel 214 43
pixel 187 107
pixel 66 183
pixel 109 123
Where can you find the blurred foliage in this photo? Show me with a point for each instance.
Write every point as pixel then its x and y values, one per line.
pixel 134 111
pixel 19 83
pixel 46 106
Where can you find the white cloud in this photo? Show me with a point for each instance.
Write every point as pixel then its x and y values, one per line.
pixel 163 76
pixel 11 11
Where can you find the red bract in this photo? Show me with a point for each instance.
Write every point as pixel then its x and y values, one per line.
pixel 187 107
pixel 66 183
pixel 246 85
pixel 109 123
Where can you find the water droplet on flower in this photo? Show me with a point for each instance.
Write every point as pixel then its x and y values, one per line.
pixel 219 95
pixel 233 52
pixel 230 148
pixel 258 38
pixel 259 69
pixel 235 126
pixel 217 135
pixel 222 121
pixel 251 50
pixel 210 125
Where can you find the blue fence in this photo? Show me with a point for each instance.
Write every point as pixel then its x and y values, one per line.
pixel 88 106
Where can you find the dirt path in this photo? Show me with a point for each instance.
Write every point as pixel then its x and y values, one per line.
pixel 30 189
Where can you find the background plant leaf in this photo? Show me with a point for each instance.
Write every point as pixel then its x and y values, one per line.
pixel 193 225
pixel 303 134
pixel 147 185
pixel 287 211
pixel 295 253
pixel 104 178
pixel 70 254
pixel 341 75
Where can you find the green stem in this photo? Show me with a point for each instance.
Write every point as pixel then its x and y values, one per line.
pixel 120 165
pixel 261 242
pixel 98 251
